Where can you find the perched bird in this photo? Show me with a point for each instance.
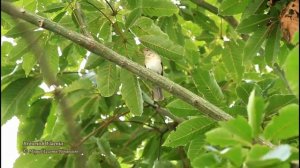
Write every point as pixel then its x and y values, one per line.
pixel 153 62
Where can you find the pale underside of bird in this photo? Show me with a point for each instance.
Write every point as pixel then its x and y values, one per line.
pixel 153 62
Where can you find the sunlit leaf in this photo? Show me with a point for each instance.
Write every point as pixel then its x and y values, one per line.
pixel 131 92
pixel 284 126
pixel 188 131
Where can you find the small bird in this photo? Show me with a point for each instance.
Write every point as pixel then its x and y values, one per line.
pixel 153 62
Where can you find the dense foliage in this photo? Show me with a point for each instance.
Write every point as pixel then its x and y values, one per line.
pixel 241 56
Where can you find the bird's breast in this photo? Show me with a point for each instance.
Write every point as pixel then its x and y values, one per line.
pixel 154 65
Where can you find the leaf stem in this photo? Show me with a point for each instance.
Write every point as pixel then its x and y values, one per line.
pixel 112 9
pixel 81 22
pixel 281 75
pixel 103 125
pixel 114 24
pixel 229 19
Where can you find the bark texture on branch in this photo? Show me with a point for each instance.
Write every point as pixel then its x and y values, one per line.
pixel 184 94
pixel 204 106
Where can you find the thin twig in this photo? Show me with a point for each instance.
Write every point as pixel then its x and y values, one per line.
pixel 80 20
pixel 114 24
pixel 112 9
pixel 101 12
pixel 229 19
pixel 141 123
pixel 160 110
pixel 281 74
pixel 103 125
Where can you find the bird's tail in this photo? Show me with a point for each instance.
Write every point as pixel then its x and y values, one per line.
pixel 157 94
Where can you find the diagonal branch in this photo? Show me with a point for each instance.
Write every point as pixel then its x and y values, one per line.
pixel 230 19
pixel 204 106
pixel 184 94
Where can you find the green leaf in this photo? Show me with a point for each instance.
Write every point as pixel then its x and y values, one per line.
pixel 162 163
pixel 51 121
pixel 158 8
pixel 276 102
pixel 78 85
pixel 284 126
pixel 29 61
pixel 236 155
pixel 15 97
pixel 273 45
pixel 207 85
pixel 239 127
pixel 188 131
pixel 30 160
pixel 204 21
pixel 132 17
pixel 243 91
pixel 255 155
pixel 91 108
pixel 70 161
pixel 98 4
pixel 93 160
pixel 255 110
pixel 10 77
pixel 32 124
pixel 59 16
pixel 6 47
pixel 170 26
pixel 131 92
pixel 16 31
pixel 253 23
pixel 206 160
pixel 163 46
pixel 233 60
pixel 22 48
pixel 254 7
pixel 257 151
pixel 196 148
pixel 291 68
pixel 295 39
pixel 222 137
pixel 151 149
pixel 106 31
pixel 254 43
pixel 105 149
pixel 49 63
pixel 145 26
pixel 93 61
pixel 283 52
pixel 132 4
pixel 107 78
pixel 232 7
pixel 181 108
pixel 54 7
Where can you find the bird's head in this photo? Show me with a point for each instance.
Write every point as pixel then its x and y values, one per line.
pixel 146 50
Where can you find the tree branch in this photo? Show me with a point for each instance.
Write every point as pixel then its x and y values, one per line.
pixel 229 19
pixel 103 125
pixel 202 105
pixel 72 128
pixel 114 12
pixel 81 22
pixel 184 94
